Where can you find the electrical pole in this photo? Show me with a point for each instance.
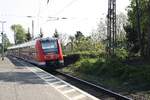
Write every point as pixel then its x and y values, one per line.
pixel 111 27
pixel 41 33
pixel 32 29
pixel 2 22
pixel 15 36
pixel 32 36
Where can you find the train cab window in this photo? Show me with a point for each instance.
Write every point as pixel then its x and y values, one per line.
pixel 49 46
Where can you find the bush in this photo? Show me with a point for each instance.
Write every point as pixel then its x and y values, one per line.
pixel 111 68
pixel 87 66
pixel 121 53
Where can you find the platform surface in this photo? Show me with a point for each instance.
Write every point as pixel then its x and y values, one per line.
pixel 19 83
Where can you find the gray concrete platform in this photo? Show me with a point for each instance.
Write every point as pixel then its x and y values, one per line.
pixel 19 83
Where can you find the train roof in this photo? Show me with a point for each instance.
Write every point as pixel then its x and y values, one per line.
pixel 30 43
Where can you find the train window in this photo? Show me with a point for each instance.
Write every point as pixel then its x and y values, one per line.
pixel 49 46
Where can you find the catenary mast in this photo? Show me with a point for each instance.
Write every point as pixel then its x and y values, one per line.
pixel 111 27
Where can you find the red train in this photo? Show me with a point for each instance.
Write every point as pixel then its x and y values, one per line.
pixel 42 51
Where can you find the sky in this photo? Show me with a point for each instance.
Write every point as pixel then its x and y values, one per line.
pixel 82 15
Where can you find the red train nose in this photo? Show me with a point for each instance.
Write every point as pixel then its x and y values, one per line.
pixel 51 57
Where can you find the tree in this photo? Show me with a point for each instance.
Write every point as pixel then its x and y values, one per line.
pixel 20 35
pixel 142 41
pixel 132 41
pixel 101 32
pixel 99 35
pixel 28 35
pixel 79 35
pixel 6 42
pixel 78 39
pixel 121 22
pixel 56 35
pixel 80 43
pixel 72 38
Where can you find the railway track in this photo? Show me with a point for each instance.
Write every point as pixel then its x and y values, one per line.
pixel 97 91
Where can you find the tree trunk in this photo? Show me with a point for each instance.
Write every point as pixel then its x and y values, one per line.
pixel 148 42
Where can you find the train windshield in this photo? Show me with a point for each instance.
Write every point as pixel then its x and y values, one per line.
pixel 49 46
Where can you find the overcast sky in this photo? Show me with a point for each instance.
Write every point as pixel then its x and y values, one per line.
pixel 82 15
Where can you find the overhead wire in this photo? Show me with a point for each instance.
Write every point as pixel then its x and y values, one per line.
pixel 66 6
pixel 69 4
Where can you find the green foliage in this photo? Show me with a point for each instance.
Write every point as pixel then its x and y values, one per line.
pixel 121 53
pixel 83 44
pixel 6 42
pixel 85 65
pixel 111 68
pixel 20 35
pixel 132 35
pixel 132 39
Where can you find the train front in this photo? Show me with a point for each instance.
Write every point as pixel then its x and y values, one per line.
pixel 52 52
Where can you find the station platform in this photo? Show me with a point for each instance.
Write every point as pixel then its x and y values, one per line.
pixel 19 83
pixel 23 81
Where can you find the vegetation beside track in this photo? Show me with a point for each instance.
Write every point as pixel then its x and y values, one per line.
pixel 116 73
